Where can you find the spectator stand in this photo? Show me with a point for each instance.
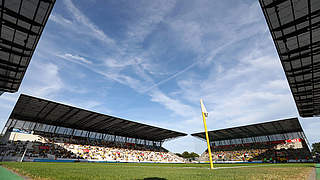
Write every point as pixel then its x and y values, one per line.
pixel 274 141
pixel 57 125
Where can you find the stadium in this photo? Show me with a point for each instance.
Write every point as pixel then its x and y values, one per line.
pixel 44 138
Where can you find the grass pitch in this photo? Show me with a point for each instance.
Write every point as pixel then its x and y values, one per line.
pixel 92 171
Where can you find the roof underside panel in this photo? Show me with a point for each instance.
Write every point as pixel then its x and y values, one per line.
pixel 22 22
pixel 43 111
pixel 294 26
pixel 254 130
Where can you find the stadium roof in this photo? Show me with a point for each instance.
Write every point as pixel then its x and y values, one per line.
pixel 34 109
pixel 22 22
pixel 262 129
pixel 295 29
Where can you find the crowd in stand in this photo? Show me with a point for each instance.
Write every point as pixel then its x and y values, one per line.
pixel 279 151
pixel 62 148
pixel 125 153
pixel 35 150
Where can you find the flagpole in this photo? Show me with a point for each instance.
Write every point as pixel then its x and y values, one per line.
pixel 206 132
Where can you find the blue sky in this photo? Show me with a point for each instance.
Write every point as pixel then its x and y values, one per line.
pixel 151 62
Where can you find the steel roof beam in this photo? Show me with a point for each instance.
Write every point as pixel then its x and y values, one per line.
pixel 13 44
pixel 274 3
pixel 300 49
pixel 2 61
pixel 298 32
pixel 9 78
pixel 85 121
pixel 19 28
pixel 298 21
pixel 4 67
pixel 68 117
pixel 102 125
pixel 19 16
pixel 9 50
pixel 106 125
pixel 303 68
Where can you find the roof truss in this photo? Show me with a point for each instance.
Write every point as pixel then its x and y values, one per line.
pixel 295 29
pixel 22 23
pixel 34 109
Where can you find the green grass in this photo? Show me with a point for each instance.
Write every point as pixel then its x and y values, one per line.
pixel 121 171
pixel 7 175
pixel 318 171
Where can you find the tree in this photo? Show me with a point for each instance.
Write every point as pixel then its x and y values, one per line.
pixel 316 148
pixel 185 154
pixel 188 155
pixel 194 155
pixel 178 154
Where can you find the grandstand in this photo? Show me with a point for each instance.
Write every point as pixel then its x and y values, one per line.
pixel 294 26
pixel 41 130
pixel 22 23
pixel 275 141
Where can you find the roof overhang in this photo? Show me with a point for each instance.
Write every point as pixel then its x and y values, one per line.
pixel 295 29
pixel 22 23
pixel 43 111
pixel 291 125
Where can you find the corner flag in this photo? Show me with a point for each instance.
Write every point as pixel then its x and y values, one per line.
pixel 203 108
pixel 204 115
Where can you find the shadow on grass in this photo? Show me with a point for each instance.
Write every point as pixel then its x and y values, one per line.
pixel 153 178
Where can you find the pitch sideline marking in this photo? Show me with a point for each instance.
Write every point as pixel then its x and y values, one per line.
pixel 215 168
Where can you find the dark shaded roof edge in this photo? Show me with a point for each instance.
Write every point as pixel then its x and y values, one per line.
pixel 273 121
pixel 267 19
pixel 41 99
pixel 33 48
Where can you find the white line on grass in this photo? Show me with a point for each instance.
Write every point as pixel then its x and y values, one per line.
pixel 199 167
pixel 242 166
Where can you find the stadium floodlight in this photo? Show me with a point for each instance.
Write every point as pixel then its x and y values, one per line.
pixel 204 116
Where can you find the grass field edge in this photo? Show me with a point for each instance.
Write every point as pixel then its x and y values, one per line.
pixel 15 166
pixel 10 173
pixel 22 174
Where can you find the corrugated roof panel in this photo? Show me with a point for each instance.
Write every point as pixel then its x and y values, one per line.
pixel 34 109
pixel 295 29
pixel 22 22
pixel 254 130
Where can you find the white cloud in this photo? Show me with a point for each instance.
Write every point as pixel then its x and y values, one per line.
pixel 153 13
pixel 190 33
pixel 81 24
pixel 113 63
pixel 245 93
pixel 75 58
pixel 8 97
pixel 309 126
pixel 57 18
pixel 172 104
pixel 94 30
pixel 194 34
pixel 277 85
pixel 6 106
pixel 171 77
pixel 126 57
pixel 44 80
